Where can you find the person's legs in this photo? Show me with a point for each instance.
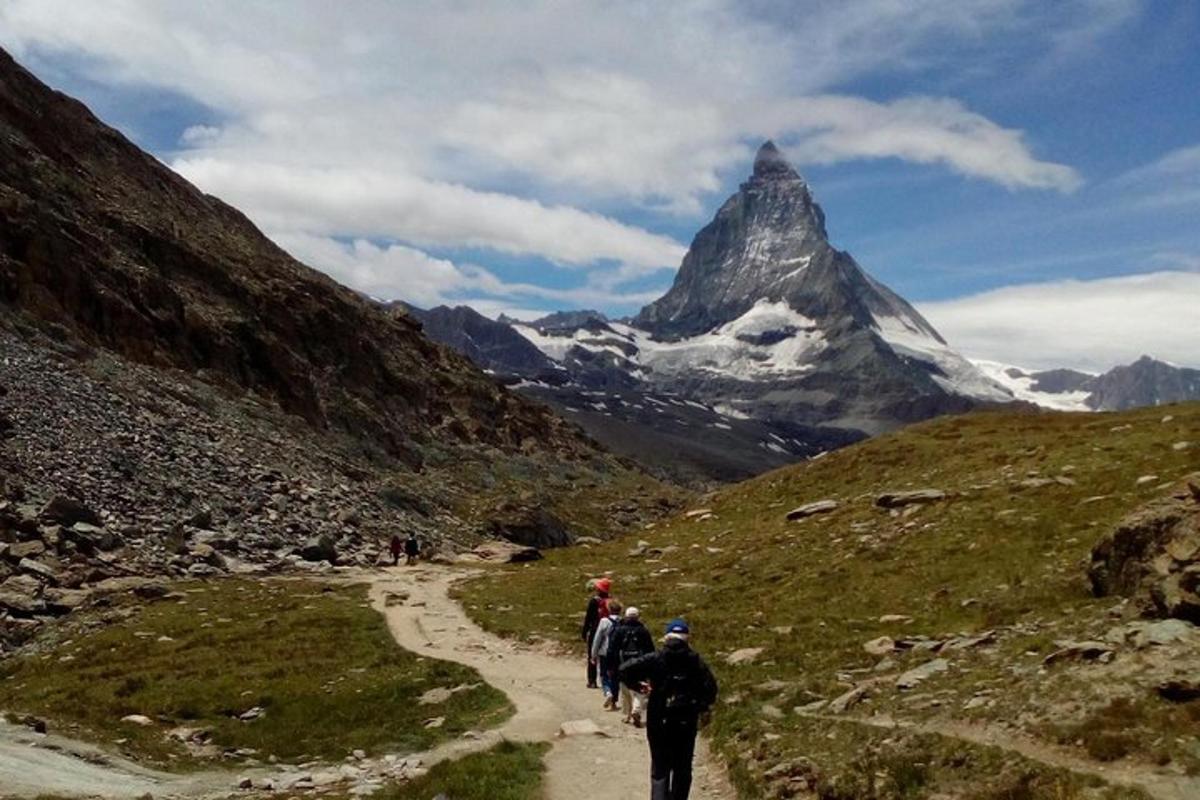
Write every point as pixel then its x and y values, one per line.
pixel 660 770
pixel 591 665
pixel 683 749
pixel 626 702
pixel 638 710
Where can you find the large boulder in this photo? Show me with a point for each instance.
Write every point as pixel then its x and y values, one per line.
pixel 320 548
pixel 1153 555
pixel 67 511
pixel 529 526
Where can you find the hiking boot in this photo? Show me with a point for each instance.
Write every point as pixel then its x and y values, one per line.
pixel 637 720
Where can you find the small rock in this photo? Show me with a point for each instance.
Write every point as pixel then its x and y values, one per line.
pixel 580 727
pixel 927 670
pixel 881 646
pixel 811 509
pixel 746 655
pixel 1086 651
pixel 848 700
pixel 137 719
pixel 900 499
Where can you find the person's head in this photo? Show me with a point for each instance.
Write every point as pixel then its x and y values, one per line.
pixel 603 586
pixel 677 629
pixel 615 607
pixel 633 613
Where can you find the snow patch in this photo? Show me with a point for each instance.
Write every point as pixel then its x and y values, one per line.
pixel 1021 385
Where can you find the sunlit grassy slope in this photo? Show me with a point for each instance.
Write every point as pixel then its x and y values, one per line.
pixel 1028 496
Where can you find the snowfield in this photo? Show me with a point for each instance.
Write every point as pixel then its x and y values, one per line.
pixel 1021 385
pixel 959 376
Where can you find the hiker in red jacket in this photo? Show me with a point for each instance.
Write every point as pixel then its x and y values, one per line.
pixel 597 609
pixel 396 548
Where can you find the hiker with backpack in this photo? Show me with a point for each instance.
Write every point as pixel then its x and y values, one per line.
pixel 601 645
pixel 412 549
pixel 682 690
pixel 629 641
pixel 597 609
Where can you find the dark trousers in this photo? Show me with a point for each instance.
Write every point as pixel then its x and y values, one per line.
pixel 672 745
pixel 591 669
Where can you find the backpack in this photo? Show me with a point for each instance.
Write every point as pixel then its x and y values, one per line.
pixel 678 689
pixel 625 640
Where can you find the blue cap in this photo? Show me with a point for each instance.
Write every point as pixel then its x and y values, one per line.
pixel 677 625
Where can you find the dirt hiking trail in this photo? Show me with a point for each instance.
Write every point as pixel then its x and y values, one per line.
pixel 547 690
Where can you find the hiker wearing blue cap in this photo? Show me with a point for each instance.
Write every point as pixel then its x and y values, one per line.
pixel 682 690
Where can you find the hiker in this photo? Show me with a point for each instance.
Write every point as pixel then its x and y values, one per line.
pixel 630 640
pixel 597 609
pixel 600 653
pixel 682 690
pixel 412 549
pixel 396 548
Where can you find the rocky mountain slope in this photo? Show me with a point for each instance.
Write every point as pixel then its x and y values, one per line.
pixel 101 242
pixel 583 373
pixel 178 396
pixel 992 605
pixel 1145 382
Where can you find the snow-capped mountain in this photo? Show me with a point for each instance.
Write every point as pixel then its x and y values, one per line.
pixel 1145 382
pixel 769 320
pixel 767 327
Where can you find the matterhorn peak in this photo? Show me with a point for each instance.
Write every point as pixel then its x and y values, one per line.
pixel 769 162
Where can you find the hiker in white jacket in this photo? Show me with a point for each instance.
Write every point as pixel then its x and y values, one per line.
pixel 608 678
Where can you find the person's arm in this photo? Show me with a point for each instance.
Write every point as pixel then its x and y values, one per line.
pixel 602 630
pixel 637 671
pixel 708 688
pixel 590 617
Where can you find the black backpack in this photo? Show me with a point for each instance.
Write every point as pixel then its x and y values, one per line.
pixel 627 643
pixel 679 687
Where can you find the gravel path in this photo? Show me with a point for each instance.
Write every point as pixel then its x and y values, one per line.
pixel 546 689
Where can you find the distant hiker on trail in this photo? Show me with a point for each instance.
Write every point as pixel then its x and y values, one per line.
pixel 412 549
pixel 629 641
pixel 682 690
pixel 396 548
pixel 600 653
pixel 597 609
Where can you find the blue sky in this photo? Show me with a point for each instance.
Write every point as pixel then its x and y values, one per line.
pixel 1028 173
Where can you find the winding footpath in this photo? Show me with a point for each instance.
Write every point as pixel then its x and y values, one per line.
pixel 546 691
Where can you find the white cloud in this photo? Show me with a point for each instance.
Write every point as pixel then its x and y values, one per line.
pixel 616 100
pixel 1090 325
pixel 381 204
pixel 923 130
pixel 399 272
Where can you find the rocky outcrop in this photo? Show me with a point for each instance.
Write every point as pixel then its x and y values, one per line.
pixel 530 526
pixel 1154 555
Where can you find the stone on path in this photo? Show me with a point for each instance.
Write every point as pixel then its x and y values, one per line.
pixel 580 727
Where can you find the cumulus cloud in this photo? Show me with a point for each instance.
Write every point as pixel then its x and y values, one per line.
pixel 371 203
pixel 1090 325
pixel 523 128
pixel 400 272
